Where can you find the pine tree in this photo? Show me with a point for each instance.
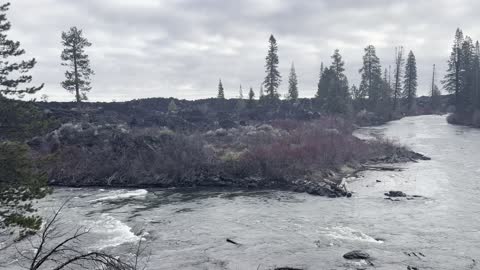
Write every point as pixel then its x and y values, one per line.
pixel 240 92
pixel 476 75
pixel 272 79
pixel 356 93
pixel 434 92
pixel 261 94
pixel 452 81
pixel 292 84
pixel 74 57
pixel 410 81
pixel 468 74
pixel 371 76
pixel 172 107
pixel 468 77
pixel 221 92
pixel 337 95
pixel 251 94
pixel 19 186
pixel 390 75
pixel 13 74
pixel 324 84
pixel 397 88
pixel 319 93
pixel 386 91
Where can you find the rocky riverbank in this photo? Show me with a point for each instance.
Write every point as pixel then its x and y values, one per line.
pixel 465 119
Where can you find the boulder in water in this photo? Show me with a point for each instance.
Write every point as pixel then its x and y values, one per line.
pixel 392 193
pixel 356 255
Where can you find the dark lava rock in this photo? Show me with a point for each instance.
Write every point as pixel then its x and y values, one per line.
pixel 378 181
pixel 227 123
pixel 356 255
pixel 418 156
pixel 392 193
pixel 393 200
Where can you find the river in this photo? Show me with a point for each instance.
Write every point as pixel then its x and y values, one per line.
pixel 188 230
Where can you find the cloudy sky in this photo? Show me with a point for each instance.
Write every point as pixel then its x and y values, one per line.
pixel 180 48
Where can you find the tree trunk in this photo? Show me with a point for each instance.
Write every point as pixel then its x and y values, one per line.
pixel 77 90
pixel 457 80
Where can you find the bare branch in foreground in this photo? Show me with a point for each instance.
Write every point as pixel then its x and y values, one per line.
pixel 58 249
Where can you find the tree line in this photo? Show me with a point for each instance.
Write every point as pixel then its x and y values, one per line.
pixel 463 74
pixel 376 92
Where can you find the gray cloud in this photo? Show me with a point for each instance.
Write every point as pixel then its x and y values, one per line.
pixel 180 48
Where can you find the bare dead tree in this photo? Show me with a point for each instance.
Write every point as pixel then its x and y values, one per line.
pixel 60 249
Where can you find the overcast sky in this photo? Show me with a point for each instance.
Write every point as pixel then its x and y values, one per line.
pixel 180 48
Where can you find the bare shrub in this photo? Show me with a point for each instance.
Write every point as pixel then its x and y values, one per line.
pixel 284 150
pixel 56 248
pixel 308 147
pixel 111 156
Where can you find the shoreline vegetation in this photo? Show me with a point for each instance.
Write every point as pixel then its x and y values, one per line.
pixel 289 148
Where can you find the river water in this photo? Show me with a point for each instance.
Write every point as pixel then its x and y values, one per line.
pixel 188 230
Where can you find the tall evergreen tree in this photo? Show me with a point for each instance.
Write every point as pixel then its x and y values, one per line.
pixel 292 84
pixel 435 93
pixel 410 81
pixel 390 75
pixel 371 76
pixel 338 96
pixel 356 93
pixel 476 75
pixel 397 88
pixel 272 79
pixel 468 73
pixel 172 106
pixel 386 93
pixel 221 92
pixel 13 74
pixel 452 81
pixel 251 94
pixel 74 57
pixel 324 84
pixel 320 86
pixel 240 92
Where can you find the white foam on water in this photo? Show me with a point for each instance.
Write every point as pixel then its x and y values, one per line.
pixel 111 232
pixel 347 233
pixel 122 194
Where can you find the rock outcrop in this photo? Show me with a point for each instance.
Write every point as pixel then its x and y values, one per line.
pixel 356 255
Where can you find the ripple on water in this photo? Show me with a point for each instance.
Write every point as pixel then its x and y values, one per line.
pixel 110 231
pixel 122 194
pixel 347 233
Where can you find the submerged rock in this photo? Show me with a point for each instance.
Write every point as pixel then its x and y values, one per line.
pixel 356 255
pixel 393 193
